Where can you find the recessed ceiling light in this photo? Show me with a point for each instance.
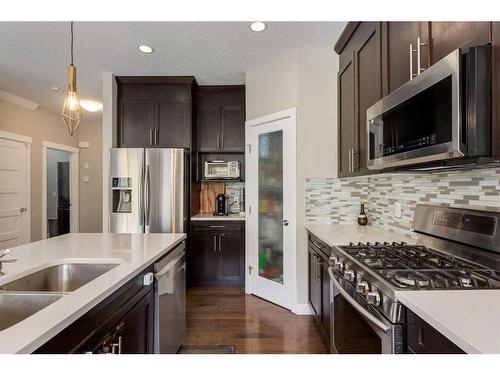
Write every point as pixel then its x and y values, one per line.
pixel 145 48
pixel 258 26
pixel 91 105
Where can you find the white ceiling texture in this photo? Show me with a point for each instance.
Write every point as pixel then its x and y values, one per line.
pixel 34 55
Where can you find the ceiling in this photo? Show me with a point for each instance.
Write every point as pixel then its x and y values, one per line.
pixel 35 55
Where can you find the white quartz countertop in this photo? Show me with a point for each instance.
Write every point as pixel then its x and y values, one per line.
pixel 210 217
pixel 133 252
pixel 342 234
pixel 469 318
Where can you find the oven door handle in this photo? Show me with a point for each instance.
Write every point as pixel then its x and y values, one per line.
pixel 356 305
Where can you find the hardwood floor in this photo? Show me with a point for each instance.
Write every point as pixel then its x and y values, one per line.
pixel 221 316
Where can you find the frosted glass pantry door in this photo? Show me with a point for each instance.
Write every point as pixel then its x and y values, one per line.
pixel 270 186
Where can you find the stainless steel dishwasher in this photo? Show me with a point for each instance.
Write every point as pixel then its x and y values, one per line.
pixel 170 303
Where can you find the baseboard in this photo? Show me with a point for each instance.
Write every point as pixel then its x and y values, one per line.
pixel 302 309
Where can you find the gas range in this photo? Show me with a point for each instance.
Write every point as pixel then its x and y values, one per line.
pixel 455 250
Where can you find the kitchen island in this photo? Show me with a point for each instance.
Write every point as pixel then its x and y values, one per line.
pixel 129 254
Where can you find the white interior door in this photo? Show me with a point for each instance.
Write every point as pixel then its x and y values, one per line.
pixel 14 193
pixel 270 226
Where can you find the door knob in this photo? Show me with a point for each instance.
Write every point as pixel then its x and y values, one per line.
pixel 23 209
pixel 285 223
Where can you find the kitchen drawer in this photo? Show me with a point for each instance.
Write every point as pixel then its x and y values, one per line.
pixel 422 338
pixel 217 226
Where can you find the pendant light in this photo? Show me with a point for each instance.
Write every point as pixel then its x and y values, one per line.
pixel 71 113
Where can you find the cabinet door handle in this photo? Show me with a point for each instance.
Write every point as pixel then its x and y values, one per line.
pixel 220 243
pixel 215 243
pixel 349 163
pixel 222 140
pixel 155 136
pixel 355 164
pixel 419 56
pixel 218 140
pixel 151 137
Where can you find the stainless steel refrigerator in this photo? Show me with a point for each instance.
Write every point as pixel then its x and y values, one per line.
pixel 149 190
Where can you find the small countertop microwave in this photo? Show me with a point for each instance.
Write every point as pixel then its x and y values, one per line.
pixel 441 116
pixel 220 169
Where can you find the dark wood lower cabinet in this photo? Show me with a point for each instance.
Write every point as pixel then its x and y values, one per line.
pixel 123 323
pixel 422 338
pixel 319 288
pixel 217 254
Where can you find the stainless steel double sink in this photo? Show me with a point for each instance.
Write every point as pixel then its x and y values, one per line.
pixel 21 298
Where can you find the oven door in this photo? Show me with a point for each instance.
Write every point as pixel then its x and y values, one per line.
pixel 355 330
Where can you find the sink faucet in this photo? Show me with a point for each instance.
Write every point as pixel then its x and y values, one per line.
pixel 2 254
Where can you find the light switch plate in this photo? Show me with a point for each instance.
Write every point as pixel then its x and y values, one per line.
pixel 397 210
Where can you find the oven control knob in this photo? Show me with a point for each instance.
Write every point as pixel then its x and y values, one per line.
pixel 362 287
pixel 373 298
pixel 332 260
pixel 339 265
pixel 349 275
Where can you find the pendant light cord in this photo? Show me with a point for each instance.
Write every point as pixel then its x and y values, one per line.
pixel 71 31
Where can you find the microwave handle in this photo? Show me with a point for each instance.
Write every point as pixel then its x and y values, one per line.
pixel 356 305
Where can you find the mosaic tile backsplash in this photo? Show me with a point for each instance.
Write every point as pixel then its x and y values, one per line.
pixel 337 200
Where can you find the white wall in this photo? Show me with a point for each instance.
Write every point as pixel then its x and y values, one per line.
pixel 305 78
pixel 53 157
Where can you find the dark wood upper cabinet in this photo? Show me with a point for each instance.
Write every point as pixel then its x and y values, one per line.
pixel 346 115
pixel 174 123
pixel 233 127
pixel 155 111
pixel 208 119
pixel 136 123
pixel 220 118
pixel 445 37
pixel 374 60
pixel 396 45
pixel 368 87
pixel 359 87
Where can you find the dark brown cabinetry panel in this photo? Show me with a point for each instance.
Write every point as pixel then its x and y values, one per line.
pixel 448 36
pixel 155 111
pixel 124 321
pixel 346 116
pixel 174 123
pixel 136 123
pixel 314 286
pixel 217 254
pixel 359 87
pixel 399 36
pixel 495 54
pixel 422 338
pixel 368 87
pixel 208 119
pixel 202 268
pixel 220 118
pixel 319 286
pixel 231 258
pixel 135 330
pixel 374 59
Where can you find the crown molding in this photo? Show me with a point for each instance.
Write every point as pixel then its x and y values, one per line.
pixel 17 100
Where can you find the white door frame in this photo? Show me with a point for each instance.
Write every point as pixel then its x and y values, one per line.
pixel 250 231
pixel 74 192
pixel 27 141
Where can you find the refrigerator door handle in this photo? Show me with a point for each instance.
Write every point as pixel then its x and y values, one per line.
pixel 146 195
pixel 141 201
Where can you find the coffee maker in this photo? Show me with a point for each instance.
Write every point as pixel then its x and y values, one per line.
pixel 221 205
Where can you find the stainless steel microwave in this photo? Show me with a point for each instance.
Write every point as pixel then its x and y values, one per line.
pixel 220 169
pixel 441 115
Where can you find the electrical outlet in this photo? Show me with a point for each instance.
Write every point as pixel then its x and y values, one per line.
pixel 397 210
